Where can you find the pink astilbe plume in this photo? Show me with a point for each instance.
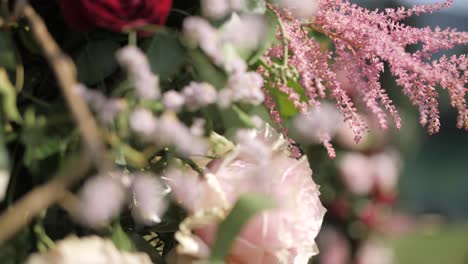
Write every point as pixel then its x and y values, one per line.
pixel 364 41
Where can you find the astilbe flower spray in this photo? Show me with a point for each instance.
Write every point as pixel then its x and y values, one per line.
pixel 363 42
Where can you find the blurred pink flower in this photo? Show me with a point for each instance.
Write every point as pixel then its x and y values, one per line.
pixel 283 235
pixel 374 251
pixel 356 172
pixel 336 248
pixel 361 173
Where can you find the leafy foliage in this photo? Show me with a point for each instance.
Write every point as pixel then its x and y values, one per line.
pixel 95 61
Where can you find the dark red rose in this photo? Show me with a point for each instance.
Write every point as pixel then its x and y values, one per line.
pixel 115 15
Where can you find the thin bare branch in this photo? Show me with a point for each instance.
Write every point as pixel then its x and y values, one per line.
pixel 33 203
pixel 65 73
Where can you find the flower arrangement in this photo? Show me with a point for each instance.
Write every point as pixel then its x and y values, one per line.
pixel 182 129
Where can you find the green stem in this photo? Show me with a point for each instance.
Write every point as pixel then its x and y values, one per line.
pixel 44 241
pixel 180 11
pixel 243 116
pixel 262 62
pixel 192 164
pixel 132 38
pixel 19 81
pixel 284 40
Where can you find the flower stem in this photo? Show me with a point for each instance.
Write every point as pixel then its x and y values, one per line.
pixel 265 65
pixel 285 42
pixel 132 38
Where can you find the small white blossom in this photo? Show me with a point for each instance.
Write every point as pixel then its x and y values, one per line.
pixel 172 100
pixel 172 132
pixel 225 98
pixel 245 31
pixel 198 127
pixel 235 64
pixel 105 108
pixel 87 250
pixel 237 4
pixel 218 48
pixel 143 122
pixel 318 123
pixel 251 146
pixel 148 199
pixel 197 95
pixel 200 32
pixel 102 198
pixel 186 187
pixel 217 9
pixel 137 65
pixel 302 9
pixel 92 97
pixel 242 88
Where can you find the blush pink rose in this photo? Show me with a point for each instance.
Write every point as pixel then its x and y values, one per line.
pixel 283 235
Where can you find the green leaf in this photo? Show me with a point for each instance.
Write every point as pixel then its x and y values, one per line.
pixel 43 149
pixel 231 121
pixel 40 141
pixel 8 98
pixel 246 207
pixel 96 61
pixel 17 249
pixel 206 71
pixel 285 106
pixel 165 54
pixel 121 240
pixel 7 54
pixel 243 117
